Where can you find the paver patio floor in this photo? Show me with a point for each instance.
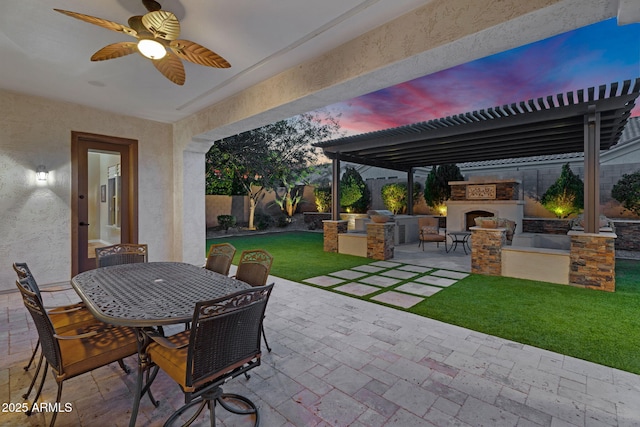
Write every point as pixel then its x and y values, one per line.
pixel 340 361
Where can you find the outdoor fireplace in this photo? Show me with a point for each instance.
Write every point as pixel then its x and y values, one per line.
pixel 484 197
pixel 471 216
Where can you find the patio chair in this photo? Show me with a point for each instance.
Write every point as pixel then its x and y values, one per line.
pixel 223 343
pixel 66 317
pixel 76 352
pixel 121 253
pixel 253 268
pixel 430 231
pixel 220 257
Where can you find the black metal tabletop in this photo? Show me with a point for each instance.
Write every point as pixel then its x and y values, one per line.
pixel 150 294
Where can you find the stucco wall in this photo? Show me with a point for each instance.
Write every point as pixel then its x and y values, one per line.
pixel 36 218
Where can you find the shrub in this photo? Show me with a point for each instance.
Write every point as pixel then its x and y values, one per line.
pixel 354 193
pixel 395 198
pixel 281 220
pixel 323 198
pixel 262 220
pixel 226 221
pixel 627 192
pixel 566 196
pixel 436 188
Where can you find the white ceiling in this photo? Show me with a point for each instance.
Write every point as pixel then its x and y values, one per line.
pixel 47 54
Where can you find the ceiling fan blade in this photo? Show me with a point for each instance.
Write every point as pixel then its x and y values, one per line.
pixel 198 54
pixel 109 25
pixel 171 67
pixel 115 50
pixel 151 5
pixel 135 22
pixel 162 24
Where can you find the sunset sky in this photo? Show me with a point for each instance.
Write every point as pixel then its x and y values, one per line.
pixel 598 54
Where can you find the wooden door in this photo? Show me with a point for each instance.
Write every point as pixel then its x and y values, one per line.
pixel 104 205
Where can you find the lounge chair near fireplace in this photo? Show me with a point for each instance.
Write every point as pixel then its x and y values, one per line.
pixel 429 231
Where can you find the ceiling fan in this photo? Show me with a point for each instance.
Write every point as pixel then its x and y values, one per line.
pixel 157 33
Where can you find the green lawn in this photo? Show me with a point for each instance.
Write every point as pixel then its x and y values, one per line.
pixel 592 325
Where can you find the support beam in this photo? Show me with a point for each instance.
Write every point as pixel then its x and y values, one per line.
pixel 410 191
pixel 592 171
pixel 335 188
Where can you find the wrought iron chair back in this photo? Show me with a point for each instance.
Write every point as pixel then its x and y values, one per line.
pixel 73 355
pixel 254 267
pixel 122 253
pixel 223 343
pixel 66 317
pixel 220 258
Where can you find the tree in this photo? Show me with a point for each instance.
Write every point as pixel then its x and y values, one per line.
pixel 395 197
pixel 566 195
pixel 627 192
pixel 270 157
pixel 354 193
pixel 436 188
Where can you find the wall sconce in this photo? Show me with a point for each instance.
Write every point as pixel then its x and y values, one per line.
pixel 42 173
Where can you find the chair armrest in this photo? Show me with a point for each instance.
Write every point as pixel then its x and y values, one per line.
pixel 180 340
pixel 91 333
pixel 65 308
pixel 57 289
pixel 76 337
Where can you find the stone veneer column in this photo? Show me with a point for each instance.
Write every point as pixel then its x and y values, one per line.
pixel 486 250
pixel 331 230
pixel 380 242
pixel 592 258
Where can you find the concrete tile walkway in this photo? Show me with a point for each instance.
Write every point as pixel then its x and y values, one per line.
pixel 340 361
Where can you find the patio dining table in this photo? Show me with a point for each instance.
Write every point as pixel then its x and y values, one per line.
pixel 149 295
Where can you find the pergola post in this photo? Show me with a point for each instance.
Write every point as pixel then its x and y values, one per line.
pixel 592 171
pixel 410 191
pixel 335 188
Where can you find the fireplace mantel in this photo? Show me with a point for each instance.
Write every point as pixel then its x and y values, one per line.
pixel 501 197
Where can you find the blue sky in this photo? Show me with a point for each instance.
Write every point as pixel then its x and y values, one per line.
pixel 598 54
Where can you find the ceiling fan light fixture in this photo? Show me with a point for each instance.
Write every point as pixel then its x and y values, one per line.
pixel 152 49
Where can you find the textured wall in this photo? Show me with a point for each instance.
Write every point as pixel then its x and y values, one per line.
pixel 36 218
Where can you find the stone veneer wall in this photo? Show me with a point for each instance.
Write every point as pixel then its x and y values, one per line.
pixel 486 250
pixel 380 240
pixel 546 225
pixel 331 231
pixel 628 231
pixel 592 261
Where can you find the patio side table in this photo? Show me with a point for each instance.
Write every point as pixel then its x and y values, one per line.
pixel 461 237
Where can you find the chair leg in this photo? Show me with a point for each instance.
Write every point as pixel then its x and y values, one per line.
pixel 124 367
pixel 253 409
pixel 35 377
pixel 33 355
pixel 264 337
pixel 200 401
pixel 55 412
pixel 44 376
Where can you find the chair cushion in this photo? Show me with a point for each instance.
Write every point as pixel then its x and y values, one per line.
pixel 172 360
pixel 429 230
pixel 83 355
pixel 432 238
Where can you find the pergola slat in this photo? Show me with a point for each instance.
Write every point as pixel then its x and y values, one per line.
pixel 474 135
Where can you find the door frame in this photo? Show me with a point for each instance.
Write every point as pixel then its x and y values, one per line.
pixel 81 142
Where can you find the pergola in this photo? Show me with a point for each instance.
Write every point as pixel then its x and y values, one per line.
pixel 588 120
